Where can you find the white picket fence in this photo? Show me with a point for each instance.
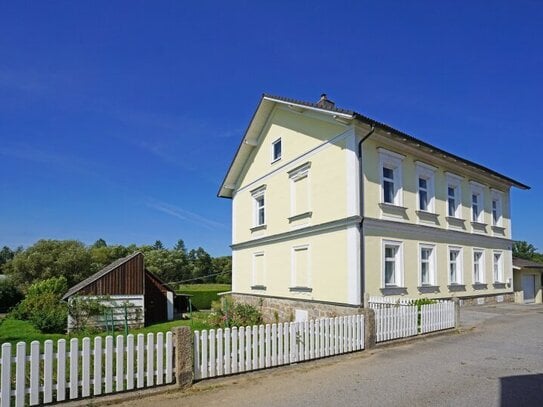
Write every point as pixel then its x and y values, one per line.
pixel 230 351
pixel 435 317
pixel 108 365
pixel 393 322
pixel 397 318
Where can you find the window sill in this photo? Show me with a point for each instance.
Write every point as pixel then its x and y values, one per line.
pixel 428 288
pixel 452 221
pixel 300 289
pixel 300 216
pixel 479 286
pixel 258 287
pixel 498 284
pixel 257 228
pixel 456 287
pixel 427 216
pixel 393 290
pixel 277 159
pixel 393 210
pixel 479 227
pixel 498 229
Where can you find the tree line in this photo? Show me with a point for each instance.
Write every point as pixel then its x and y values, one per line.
pixel 76 261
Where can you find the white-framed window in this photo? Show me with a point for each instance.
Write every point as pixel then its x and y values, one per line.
pixel 259 207
pixel 258 270
pixel 454 196
pixel 300 190
pixel 478 266
pixel 276 148
pixel 497 214
pixel 392 264
pixel 300 275
pixel 477 203
pixel 425 187
pixel 427 264
pixel 497 266
pixel 455 265
pixel 391 177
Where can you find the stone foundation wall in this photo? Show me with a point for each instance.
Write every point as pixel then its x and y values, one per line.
pixel 489 299
pixel 284 310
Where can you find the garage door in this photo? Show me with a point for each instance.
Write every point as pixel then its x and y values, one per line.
pixel 528 286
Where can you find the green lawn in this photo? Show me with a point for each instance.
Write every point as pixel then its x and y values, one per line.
pixel 13 330
pixel 203 294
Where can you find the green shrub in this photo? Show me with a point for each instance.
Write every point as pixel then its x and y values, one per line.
pixel 43 305
pixel 84 310
pixel 227 313
pixel 9 294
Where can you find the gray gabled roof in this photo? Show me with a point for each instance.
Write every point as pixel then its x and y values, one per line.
pixel 350 114
pixel 96 276
pixel 526 264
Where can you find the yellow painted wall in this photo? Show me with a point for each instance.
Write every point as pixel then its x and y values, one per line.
pixel 328 263
pixel 327 188
pixel 372 186
pixel 411 241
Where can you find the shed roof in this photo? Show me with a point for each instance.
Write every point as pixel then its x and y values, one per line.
pixel 266 105
pixel 526 264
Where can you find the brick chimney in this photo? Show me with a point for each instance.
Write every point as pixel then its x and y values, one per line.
pixel 325 103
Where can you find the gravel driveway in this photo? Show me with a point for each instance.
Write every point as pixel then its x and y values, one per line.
pixel 496 360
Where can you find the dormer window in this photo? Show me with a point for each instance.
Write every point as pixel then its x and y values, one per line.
pixel 276 150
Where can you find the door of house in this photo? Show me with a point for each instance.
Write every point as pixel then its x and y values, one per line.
pixel 528 286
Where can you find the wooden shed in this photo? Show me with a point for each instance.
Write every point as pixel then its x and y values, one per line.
pixel 129 293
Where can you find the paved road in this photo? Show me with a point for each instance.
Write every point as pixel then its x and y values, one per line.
pixel 496 361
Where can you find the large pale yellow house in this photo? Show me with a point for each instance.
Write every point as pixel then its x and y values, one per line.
pixel 330 208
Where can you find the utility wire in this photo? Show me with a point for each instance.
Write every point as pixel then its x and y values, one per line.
pixel 198 278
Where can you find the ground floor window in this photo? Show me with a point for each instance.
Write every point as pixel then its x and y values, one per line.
pixel 427 265
pixel 478 267
pixel 498 267
pixel 392 267
pixel 455 265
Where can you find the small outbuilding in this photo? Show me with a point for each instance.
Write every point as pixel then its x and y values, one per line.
pixel 527 281
pixel 130 294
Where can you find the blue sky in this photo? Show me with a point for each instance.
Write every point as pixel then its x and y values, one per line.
pixel 119 119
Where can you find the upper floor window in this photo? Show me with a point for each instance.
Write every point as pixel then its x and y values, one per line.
pixel 276 150
pixel 496 208
pixel 425 179
pixel 427 265
pixel 259 207
pixel 498 267
pixel 478 267
pixel 455 265
pixel 299 190
pixel 391 177
pixel 454 196
pixel 477 203
pixel 392 273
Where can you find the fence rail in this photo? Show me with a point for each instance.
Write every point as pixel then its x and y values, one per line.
pixel 83 369
pixel 230 351
pixel 400 318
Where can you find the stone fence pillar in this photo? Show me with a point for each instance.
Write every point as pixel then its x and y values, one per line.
pixel 370 333
pixel 183 356
pixel 456 312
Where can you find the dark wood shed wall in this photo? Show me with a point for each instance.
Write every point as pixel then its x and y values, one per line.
pixel 126 279
pixel 156 300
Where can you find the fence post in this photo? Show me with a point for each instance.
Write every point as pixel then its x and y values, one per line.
pixel 456 302
pixel 182 341
pixel 370 333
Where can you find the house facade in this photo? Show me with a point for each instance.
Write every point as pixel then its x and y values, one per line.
pixel 330 208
